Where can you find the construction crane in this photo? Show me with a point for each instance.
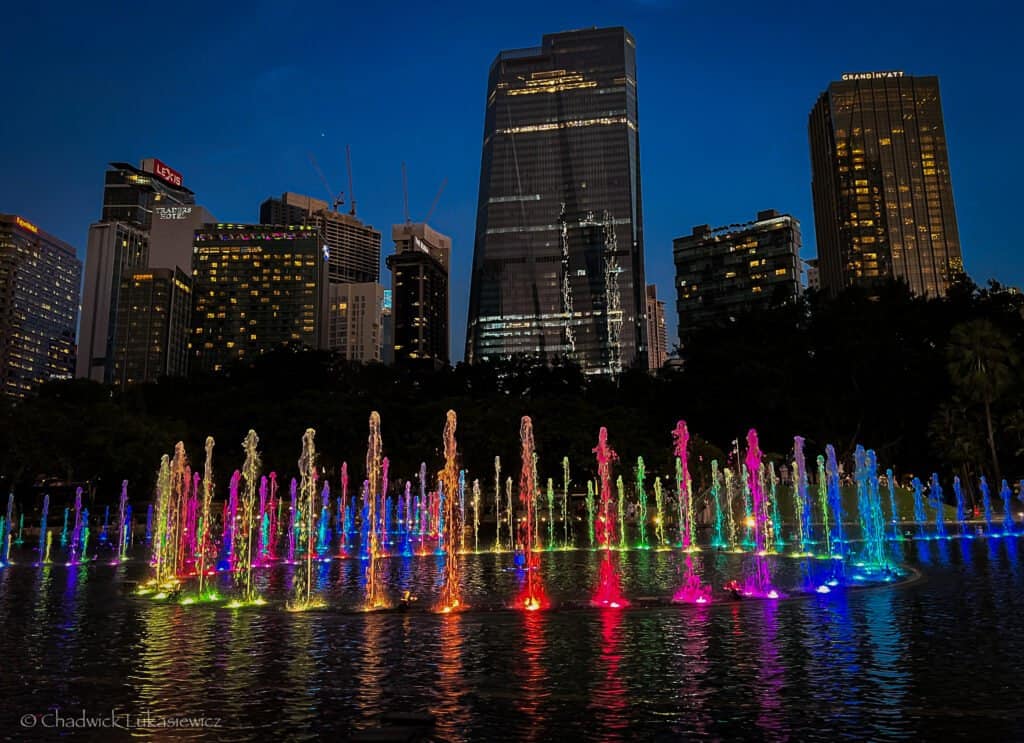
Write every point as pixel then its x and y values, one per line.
pixel 351 188
pixel 335 201
pixel 436 199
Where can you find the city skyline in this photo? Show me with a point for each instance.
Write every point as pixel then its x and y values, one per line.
pixel 695 167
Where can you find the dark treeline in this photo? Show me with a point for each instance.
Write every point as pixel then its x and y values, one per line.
pixel 929 384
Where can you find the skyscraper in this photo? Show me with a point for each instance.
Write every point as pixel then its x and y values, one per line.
pixel 146 227
pixel 354 246
pixel 154 318
pixel 883 197
pixel 558 263
pixel 256 288
pixel 355 321
pixel 657 333
pixel 39 290
pixel 420 269
pixel 724 272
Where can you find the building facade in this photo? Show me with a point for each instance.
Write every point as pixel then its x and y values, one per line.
pixel 256 288
pixel 657 332
pixel 724 272
pixel 154 320
pixel 420 269
pixel 883 195
pixel 40 277
pixel 355 321
pixel 147 224
pixel 354 246
pixel 558 261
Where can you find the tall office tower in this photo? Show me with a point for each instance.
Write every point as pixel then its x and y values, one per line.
pixel 256 288
pixel 147 225
pixel 883 197
pixel 355 321
pixel 724 272
pixel 39 280
pixel 354 246
pixel 558 264
pixel 657 333
pixel 154 318
pixel 420 269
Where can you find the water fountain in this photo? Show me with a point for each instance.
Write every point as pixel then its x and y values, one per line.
pixel 122 522
pixel 986 503
pixel 497 504
pixel 451 588
pixel 532 596
pixel 760 583
pixel 1005 493
pixel 476 514
pixel 835 501
pixel 246 526
pixel 961 516
pixel 659 515
pixel 718 535
pixel 609 592
pixel 641 492
pixel 802 499
pixel 590 512
pixel 375 597
pixel 76 532
pixel 302 579
pixel 566 531
pixel 684 489
pixel 919 513
pixel 935 496
pixel 44 536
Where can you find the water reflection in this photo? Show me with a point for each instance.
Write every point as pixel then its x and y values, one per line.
pixel 449 707
pixel 608 696
pixel 532 676
pixel 885 663
pixel 770 677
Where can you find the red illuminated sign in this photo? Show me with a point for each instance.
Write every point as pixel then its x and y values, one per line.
pixel 165 173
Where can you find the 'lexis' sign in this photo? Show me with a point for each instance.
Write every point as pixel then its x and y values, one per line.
pixel 872 75
pixel 26 225
pixel 165 173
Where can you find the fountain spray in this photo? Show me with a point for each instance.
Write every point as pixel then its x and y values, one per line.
pixel 451 589
pixel 374 585
pixel 641 493
pixel 302 578
pixel 44 536
pixel 566 535
pixel 247 525
pixel 532 596
pixel 497 504
pixel 609 593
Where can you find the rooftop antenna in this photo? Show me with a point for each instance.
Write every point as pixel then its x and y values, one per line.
pixel 436 199
pixel 334 200
pixel 351 189
pixel 405 193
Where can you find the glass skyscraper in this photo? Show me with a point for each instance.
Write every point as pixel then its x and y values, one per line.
pixel 39 280
pixel 558 258
pixel 883 197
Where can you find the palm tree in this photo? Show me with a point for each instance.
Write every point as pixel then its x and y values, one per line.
pixel 981 362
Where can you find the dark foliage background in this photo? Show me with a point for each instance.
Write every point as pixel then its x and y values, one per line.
pixel 917 380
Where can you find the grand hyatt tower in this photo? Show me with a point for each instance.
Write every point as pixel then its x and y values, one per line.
pixel 558 260
pixel 883 195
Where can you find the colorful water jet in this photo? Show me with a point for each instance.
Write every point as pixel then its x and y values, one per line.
pixel 451 588
pixel 532 596
pixel 302 579
pixel 375 595
pixel 609 591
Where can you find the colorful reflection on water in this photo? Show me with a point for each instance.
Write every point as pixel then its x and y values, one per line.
pixel 881 663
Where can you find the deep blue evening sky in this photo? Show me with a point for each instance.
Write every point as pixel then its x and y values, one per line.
pixel 235 98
